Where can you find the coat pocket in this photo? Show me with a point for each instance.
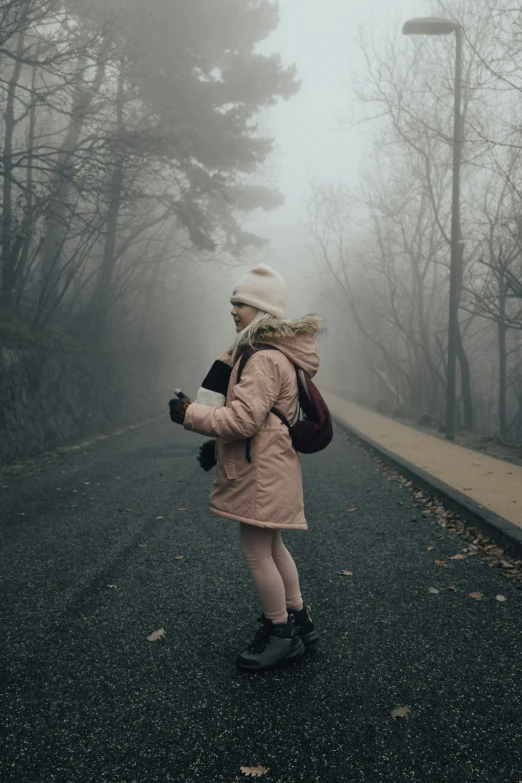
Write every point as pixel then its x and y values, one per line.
pixel 230 456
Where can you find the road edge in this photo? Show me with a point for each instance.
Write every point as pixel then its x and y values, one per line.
pixel 504 533
pixel 20 462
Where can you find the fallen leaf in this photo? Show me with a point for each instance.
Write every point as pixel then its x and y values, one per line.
pixel 345 573
pixel 179 557
pixel 351 510
pixel 452 588
pixel 477 596
pixel 156 635
pixel 505 564
pixel 501 598
pixel 143 546
pixel 181 509
pixel 112 586
pixel 256 772
pixel 434 591
pixel 159 518
pixel 458 557
pixel 439 562
pixel 430 548
pixel 401 712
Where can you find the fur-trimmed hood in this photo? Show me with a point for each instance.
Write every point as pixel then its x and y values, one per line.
pixel 296 339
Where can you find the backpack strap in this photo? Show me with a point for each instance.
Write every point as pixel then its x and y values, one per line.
pixel 247 354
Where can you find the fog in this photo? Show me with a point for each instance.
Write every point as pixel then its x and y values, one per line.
pixel 152 156
pixel 315 137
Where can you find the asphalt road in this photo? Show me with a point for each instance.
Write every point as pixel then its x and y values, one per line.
pixel 86 698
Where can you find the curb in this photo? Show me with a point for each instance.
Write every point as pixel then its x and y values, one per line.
pixel 504 533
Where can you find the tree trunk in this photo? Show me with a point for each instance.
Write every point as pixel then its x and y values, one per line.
pixel 502 356
pixel 103 293
pixel 27 234
pixel 57 211
pixel 109 256
pixel 465 373
pixel 8 256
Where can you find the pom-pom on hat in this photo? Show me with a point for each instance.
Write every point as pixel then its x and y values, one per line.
pixel 264 288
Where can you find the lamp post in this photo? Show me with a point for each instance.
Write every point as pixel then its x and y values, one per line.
pixel 439 26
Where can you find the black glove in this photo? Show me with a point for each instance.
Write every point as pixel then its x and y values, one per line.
pixel 178 407
pixel 207 455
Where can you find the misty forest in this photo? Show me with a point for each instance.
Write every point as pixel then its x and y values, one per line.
pixel 130 145
pixel 133 149
pixel 385 243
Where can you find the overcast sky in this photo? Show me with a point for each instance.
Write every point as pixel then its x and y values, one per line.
pixel 317 35
pixel 312 132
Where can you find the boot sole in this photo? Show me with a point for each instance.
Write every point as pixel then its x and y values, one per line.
pixel 310 639
pixel 292 656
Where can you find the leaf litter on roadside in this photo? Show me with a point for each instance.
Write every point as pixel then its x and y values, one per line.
pixel 401 712
pixel 255 772
pixel 159 634
pixel 345 573
pixel 453 526
pixel 479 543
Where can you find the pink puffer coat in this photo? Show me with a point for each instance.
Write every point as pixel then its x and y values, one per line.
pixel 268 491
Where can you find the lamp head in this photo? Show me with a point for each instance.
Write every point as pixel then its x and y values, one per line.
pixel 430 25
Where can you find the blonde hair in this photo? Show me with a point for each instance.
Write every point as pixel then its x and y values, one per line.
pixel 245 338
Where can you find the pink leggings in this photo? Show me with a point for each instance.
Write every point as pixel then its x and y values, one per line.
pixel 273 570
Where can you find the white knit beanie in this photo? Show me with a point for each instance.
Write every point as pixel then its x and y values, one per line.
pixel 263 288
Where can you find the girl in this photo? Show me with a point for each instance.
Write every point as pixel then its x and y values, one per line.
pixel 259 480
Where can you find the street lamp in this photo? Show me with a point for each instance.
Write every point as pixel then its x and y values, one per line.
pixel 438 26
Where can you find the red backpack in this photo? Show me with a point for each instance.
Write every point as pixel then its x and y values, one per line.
pixel 312 430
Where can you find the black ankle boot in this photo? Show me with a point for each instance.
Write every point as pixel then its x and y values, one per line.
pixel 273 644
pixel 304 627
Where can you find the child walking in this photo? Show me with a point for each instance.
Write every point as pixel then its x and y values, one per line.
pixel 259 480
